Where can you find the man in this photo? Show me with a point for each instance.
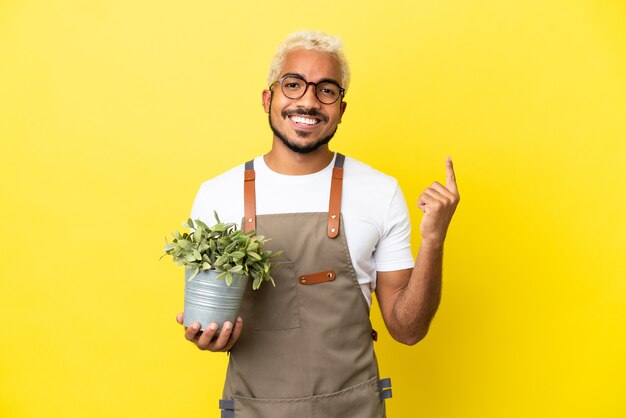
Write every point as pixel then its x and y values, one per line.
pixel 305 347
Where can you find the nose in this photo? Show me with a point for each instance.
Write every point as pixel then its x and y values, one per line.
pixel 309 99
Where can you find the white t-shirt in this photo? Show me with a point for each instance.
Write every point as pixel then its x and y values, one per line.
pixel 375 215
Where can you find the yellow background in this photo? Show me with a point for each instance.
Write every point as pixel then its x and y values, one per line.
pixel 112 113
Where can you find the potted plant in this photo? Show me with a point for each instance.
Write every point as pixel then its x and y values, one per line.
pixel 218 261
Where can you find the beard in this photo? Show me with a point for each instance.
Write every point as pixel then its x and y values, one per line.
pixel 290 143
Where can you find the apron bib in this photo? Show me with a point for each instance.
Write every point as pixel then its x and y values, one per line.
pixel 306 349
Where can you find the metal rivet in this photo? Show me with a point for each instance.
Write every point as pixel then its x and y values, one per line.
pixel 249 219
pixel 330 275
pixel 303 280
pixel 333 216
pixel 332 230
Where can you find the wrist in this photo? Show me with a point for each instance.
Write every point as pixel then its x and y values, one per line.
pixel 432 245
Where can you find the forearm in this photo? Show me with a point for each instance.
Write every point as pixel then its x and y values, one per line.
pixel 417 302
pixel 409 298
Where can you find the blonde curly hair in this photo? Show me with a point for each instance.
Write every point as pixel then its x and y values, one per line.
pixel 317 41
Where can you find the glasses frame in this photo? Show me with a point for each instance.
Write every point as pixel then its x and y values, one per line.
pixel 280 81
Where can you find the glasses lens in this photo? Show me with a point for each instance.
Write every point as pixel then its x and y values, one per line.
pixel 327 92
pixel 293 87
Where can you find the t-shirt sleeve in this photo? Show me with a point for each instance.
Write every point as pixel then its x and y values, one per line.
pixel 222 194
pixel 198 208
pixel 393 251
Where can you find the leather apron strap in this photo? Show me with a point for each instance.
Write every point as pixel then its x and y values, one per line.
pixel 249 198
pixel 334 206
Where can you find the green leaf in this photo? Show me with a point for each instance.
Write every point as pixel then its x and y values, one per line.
pixel 254 255
pixel 237 255
pixel 221 260
pixel 229 278
pixel 190 257
pixel 193 274
pixel 236 269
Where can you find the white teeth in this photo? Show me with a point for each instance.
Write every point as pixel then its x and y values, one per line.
pixel 306 121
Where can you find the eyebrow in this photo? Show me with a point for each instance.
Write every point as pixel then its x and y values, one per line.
pixel 323 80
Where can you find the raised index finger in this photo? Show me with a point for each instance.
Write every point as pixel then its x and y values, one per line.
pixel 450 177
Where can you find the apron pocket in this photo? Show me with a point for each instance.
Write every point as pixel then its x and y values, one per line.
pixel 276 308
pixel 361 400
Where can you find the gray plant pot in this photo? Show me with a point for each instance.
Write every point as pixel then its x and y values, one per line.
pixel 208 299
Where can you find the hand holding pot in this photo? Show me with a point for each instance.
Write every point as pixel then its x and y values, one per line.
pixel 207 340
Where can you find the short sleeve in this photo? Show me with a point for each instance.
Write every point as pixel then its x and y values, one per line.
pixel 222 194
pixel 393 251
pixel 201 208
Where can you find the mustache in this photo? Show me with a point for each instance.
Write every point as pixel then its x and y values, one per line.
pixel 304 112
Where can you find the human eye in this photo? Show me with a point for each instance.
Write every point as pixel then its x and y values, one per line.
pixel 292 83
pixel 328 90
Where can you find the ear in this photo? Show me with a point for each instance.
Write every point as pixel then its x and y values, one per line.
pixel 342 109
pixel 266 98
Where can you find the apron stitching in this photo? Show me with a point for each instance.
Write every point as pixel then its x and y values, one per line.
pixel 373 382
pixel 355 281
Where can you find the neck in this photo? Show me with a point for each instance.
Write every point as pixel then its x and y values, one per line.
pixel 282 160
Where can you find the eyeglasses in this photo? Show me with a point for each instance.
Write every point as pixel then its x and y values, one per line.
pixel 294 87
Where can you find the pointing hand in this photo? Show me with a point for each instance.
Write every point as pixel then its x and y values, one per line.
pixel 438 204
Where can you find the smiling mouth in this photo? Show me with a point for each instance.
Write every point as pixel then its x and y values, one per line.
pixel 302 120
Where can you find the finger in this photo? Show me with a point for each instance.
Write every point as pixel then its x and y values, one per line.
pixel 204 339
pixel 235 335
pixel 222 339
pixel 180 318
pixel 190 332
pixel 427 200
pixel 450 176
pixel 443 191
pixel 435 194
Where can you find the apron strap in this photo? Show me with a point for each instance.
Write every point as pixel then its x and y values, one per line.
pixel 334 207
pixel 384 388
pixel 249 198
pixel 228 408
